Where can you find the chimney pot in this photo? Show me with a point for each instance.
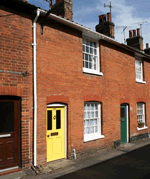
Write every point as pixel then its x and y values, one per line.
pixel 109 16
pixel 130 33
pixel 100 19
pixel 104 17
pixel 138 31
pixel 134 33
pixel 147 45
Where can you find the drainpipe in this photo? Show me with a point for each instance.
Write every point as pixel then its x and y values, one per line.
pixel 35 87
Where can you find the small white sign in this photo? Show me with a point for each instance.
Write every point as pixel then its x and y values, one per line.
pixel 5 135
pixel 130 108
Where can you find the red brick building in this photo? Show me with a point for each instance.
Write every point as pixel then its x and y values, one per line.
pixel 66 90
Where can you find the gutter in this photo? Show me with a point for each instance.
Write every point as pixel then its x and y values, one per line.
pixel 35 86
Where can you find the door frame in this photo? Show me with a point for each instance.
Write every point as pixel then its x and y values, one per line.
pixel 65 129
pixel 17 112
pixel 127 114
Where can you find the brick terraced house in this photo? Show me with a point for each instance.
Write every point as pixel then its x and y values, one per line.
pixel 66 89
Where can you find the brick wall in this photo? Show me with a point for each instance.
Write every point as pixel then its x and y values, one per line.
pixel 60 79
pixel 16 56
pixel 59 64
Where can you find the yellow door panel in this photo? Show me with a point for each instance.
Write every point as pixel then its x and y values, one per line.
pixel 55 135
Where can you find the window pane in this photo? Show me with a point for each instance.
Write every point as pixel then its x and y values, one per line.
pixel 7 117
pixel 95 122
pixel 89 115
pixel 58 119
pixel 91 129
pixel 88 106
pixel 49 120
pixel 83 48
pixel 83 63
pixel 123 112
pixel 92 114
pixel 90 58
pixel 83 41
pixel 87 42
pixel 87 49
pixel 96 106
pixel 96 114
pixel 86 57
pixel 87 130
pixel 86 64
pixel 95 129
pixel 90 65
pixel 91 44
pixel 91 50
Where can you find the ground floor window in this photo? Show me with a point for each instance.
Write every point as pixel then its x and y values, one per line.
pixel 141 113
pixel 92 121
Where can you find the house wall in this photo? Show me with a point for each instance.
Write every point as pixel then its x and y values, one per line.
pixel 61 79
pixel 16 56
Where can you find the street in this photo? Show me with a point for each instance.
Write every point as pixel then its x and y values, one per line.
pixel 132 165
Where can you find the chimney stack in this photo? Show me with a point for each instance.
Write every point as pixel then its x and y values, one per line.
pixel 63 8
pixel 134 33
pixel 105 27
pixel 130 33
pixel 147 50
pixel 135 40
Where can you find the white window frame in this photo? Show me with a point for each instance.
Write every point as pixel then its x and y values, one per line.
pixel 139 80
pixel 88 70
pixel 142 114
pixel 97 135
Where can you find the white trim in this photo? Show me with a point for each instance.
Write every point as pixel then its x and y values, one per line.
pixel 56 105
pixel 86 70
pixel 139 81
pixel 127 123
pixel 5 135
pixel 65 130
pixel 7 169
pixel 145 127
pixel 94 137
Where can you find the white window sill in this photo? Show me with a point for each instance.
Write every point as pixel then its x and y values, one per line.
pixel 142 128
pixel 92 137
pixel 93 72
pixel 143 82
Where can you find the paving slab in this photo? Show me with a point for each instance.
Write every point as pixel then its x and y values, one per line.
pixel 17 175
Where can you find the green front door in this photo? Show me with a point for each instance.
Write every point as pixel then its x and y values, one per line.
pixel 123 120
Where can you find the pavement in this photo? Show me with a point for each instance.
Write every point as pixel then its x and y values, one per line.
pixel 62 167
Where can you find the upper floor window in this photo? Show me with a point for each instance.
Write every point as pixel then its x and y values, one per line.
pixel 91 62
pixel 139 71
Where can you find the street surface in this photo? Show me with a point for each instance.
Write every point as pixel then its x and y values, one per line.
pixel 132 165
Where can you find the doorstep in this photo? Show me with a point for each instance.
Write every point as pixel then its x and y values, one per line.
pixel 11 173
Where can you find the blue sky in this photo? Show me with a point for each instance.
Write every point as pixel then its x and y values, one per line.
pixel 124 13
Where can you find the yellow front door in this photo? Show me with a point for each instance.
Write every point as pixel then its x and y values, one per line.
pixel 55 135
